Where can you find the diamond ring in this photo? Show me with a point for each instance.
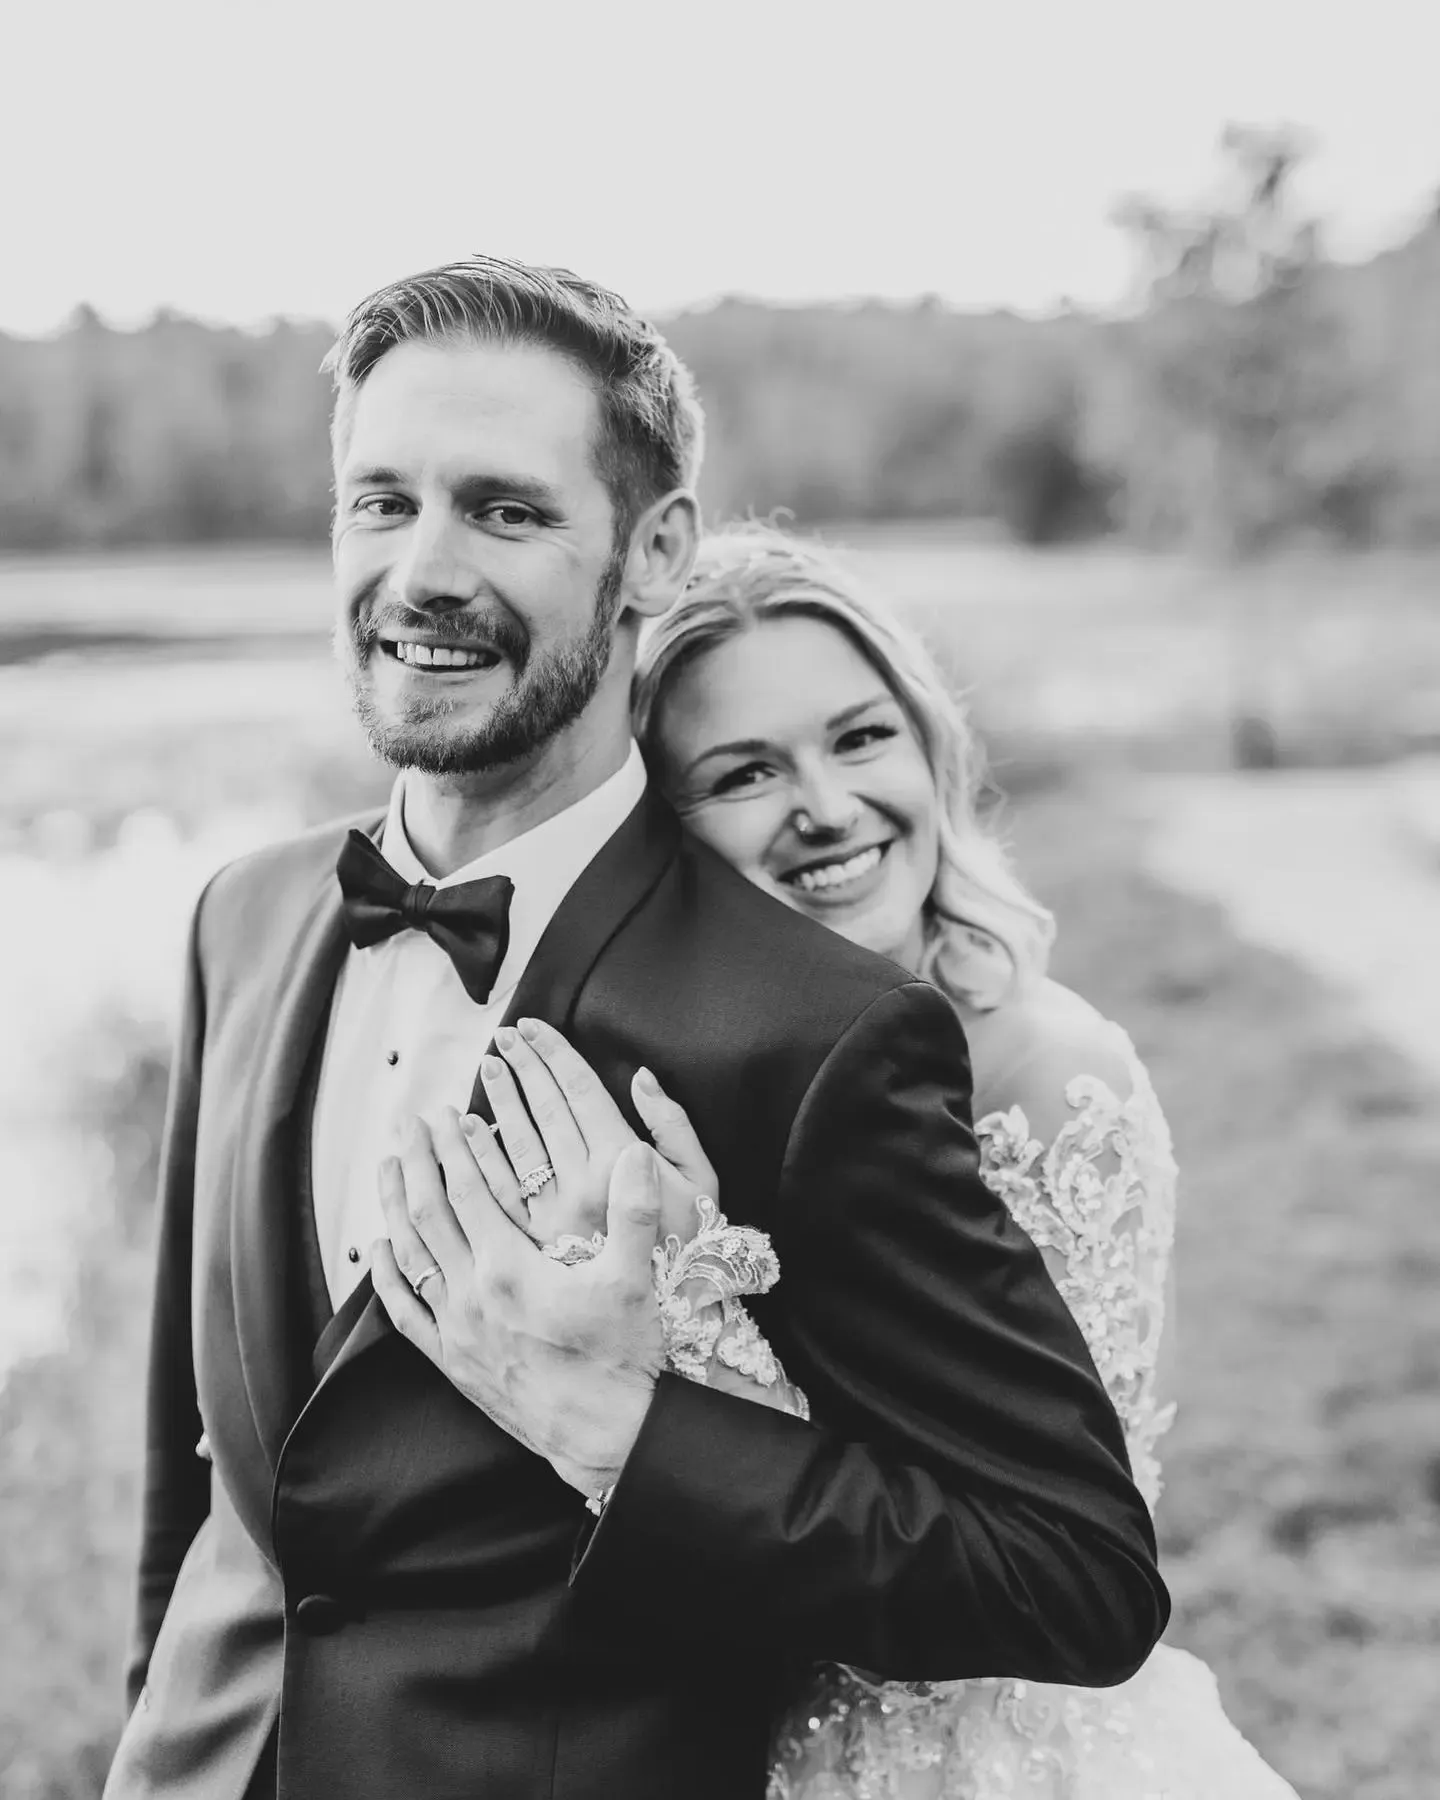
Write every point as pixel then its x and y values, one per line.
pixel 531 1184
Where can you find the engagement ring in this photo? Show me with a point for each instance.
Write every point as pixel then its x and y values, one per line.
pixel 532 1183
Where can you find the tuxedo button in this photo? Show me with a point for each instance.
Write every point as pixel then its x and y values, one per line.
pixel 318 1615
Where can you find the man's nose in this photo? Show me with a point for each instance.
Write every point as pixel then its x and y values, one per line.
pixel 435 574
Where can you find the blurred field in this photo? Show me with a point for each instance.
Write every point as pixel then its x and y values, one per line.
pixel 1103 652
pixel 1301 1522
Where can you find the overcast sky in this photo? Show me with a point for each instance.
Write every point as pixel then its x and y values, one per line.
pixel 238 161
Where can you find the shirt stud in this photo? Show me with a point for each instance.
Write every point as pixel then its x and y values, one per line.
pixel 392 1057
pixel 353 1253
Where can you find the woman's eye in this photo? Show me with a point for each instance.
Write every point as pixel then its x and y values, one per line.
pixel 862 737
pixel 733 780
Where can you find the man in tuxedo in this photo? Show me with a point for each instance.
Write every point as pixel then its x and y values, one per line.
pixel 573 1576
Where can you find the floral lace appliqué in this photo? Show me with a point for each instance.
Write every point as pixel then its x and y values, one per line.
pixel 699 1285
pixel 1099 1201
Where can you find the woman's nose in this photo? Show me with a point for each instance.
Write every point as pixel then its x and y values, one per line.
pixel 825 809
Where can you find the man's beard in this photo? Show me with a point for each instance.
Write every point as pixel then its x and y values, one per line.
pixel 549 692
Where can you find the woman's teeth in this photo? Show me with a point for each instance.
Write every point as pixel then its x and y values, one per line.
pixel 829 875
pixel 441 656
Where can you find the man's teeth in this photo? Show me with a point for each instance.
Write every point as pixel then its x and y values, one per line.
pixel 440 656
pixel 830 875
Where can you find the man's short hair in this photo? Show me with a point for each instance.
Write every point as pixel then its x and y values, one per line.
pixel 651 431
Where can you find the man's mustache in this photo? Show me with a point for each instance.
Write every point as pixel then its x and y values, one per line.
pixel 493 626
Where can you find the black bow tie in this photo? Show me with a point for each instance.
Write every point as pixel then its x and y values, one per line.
pixel 470 921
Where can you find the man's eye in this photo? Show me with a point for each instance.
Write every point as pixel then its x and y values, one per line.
pixel 383 506
pixel 510 514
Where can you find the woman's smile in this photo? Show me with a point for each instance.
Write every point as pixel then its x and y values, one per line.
pixel 839 878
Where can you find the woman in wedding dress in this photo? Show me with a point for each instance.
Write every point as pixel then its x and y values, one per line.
pixel 806 736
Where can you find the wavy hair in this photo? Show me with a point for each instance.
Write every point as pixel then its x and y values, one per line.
pixel 986 938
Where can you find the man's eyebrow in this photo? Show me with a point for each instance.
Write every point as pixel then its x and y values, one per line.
pixel 371 478
pixel 469 489
pixel 500 486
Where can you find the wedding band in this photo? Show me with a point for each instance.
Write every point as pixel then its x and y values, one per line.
pixel 422 1278
pixel 532 1183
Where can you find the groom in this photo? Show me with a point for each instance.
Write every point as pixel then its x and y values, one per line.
pixel 354 1581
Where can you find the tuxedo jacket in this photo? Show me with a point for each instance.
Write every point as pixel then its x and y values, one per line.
pixel 367 1589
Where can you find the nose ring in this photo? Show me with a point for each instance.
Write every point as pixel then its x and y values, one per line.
pixel 805 826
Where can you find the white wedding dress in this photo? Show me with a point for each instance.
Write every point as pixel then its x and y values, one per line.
pixel 1099 1200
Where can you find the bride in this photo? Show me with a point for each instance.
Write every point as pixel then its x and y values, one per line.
pixel 808 738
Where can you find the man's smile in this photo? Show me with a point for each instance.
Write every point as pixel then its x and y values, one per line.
pixel 437 656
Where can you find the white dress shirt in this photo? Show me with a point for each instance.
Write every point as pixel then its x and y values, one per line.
pixel 404 1037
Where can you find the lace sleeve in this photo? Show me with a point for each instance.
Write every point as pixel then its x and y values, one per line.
pixel 1084 1163
pixel 699 1283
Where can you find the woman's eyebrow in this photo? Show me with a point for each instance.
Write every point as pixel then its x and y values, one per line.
pixel 740 747
pixel 756 746
pixel 861 706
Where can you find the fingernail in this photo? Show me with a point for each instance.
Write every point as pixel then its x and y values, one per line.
pixel 470 1124
pixel 505 1038
pixel 646 1082
pixel 529 1030
pixel 491 1068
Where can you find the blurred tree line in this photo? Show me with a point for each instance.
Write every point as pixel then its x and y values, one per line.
pixel 1256 391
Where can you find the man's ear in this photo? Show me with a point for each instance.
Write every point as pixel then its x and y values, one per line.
pixel 662 554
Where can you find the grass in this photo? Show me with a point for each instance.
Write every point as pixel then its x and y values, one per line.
pixel 1301 1523
pixel 1301 1520
pixel 70 1434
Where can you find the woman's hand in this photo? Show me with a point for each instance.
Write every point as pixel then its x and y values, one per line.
pixel 552 1112
pixel 552 1109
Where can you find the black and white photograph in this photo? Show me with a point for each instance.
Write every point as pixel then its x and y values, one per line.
pixel 719 882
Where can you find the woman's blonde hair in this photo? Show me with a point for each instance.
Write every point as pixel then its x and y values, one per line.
pixel 986 937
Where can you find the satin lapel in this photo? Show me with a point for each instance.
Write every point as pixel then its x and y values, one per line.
pixel 609 889
pixel 267 1184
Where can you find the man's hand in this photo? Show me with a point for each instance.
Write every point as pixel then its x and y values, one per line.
pixel 563 1358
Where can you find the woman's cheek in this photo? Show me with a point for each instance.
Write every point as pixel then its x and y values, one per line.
pixel 920 802
pixel 739 830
